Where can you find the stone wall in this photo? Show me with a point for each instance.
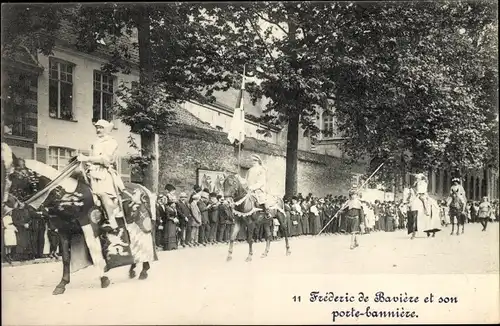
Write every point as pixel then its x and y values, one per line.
pixel 185 149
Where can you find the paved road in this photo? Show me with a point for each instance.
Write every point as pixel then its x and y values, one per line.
pixel 199 286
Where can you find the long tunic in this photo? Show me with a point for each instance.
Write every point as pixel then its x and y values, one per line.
pixel 315 220
pixel 170 230
pixel 256 180
pixel 103 176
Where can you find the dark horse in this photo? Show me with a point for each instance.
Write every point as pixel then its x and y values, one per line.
pixel 456 213
pixel 74 214
pixel 248 215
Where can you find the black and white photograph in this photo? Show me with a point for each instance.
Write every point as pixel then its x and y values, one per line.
pixel 250 163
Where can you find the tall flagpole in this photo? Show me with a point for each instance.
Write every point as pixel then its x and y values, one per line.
pixel 345 204
pixel 242 119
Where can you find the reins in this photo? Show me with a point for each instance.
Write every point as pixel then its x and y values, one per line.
pixel 240 202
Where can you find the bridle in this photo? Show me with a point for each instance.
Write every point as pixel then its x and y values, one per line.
pixel 240 201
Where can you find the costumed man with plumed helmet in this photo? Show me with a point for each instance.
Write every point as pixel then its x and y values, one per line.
pixel 104 179
pixel 257 181
pixel 459 191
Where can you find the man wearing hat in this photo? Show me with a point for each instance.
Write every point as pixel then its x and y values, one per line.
pixel 256 180
pixel 204 230
pixel 184 213
pixel 459 191
pixel 104 179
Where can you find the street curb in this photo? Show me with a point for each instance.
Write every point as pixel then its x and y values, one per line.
pixel 31 262
pixel 52 260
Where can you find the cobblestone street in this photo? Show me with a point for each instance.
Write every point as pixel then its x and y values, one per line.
pixel 199 286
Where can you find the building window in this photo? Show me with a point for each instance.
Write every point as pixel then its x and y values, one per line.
pixel 60 89
pixel 103 97
pixel 328 125
pixel 16 120
pixel 59 156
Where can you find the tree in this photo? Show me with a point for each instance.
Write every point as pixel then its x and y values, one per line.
pixel 179 60
pixel 419 77
pixel 280 46
pixel 415 78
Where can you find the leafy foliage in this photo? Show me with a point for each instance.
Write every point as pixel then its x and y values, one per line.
pixel 179 60
pixel 30 25
pixel 418 77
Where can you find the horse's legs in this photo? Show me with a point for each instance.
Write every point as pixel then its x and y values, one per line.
pixel 144 272
pixel 131 271
pixel 95 249
pixel 66 259
pixel 452 220
pixel 251 227
pixel 236 230
pixel 284 230
pixel 484 223
pixel 268 234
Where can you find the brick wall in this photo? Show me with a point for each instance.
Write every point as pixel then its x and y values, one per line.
pixel 185 149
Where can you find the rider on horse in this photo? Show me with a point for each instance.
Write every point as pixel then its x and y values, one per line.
pixel 421 186
pixel 457 191
pixel 104 179
pixel 256 180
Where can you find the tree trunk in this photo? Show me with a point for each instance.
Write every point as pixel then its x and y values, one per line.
pixel 292 154
pixel 148 145
pixel 292 143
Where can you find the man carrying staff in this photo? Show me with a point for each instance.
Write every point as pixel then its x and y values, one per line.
pixel 354 217
pixel 104 179
pixel 256 180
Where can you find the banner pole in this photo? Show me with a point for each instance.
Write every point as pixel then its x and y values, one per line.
pixel 239 158
pixel 343 206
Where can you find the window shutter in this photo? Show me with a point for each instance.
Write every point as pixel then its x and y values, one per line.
pixel 41 153
pixel 124 166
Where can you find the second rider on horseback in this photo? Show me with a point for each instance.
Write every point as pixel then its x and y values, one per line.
pixel 257 181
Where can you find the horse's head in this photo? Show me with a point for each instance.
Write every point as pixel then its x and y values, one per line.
pixel 25 182
pixel 234 186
